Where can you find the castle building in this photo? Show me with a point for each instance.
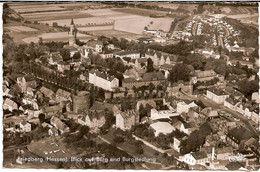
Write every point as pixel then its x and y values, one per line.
pixel 72 33
pixel 103 80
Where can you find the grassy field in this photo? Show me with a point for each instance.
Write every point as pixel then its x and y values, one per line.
pixel 96 28
pixel 246 18
pixel 21 29
pixel 49 148
pixel 139 11
pixel 57 36
pixel 25 7
pixel 80 21
pixel 55 15
pixel 139 23
pixel 114 33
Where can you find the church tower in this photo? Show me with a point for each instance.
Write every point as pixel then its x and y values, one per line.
pixel 72 34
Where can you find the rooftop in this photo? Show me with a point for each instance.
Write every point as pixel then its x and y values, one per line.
pixel 127 52
pixel 207 73
pixel 217 91
pixel 199 155
pixel 102 74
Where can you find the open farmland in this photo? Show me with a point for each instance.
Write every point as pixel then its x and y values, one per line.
pixel 138 11
pixel 132 22
pixel 21 29
pixel 169 5
pixel 136 25
pixel 55 15
pixel 36 8
pixel 57 36
pixel 188 7
pixel 115 33
pixel 31 7
pixel 94 28
pixel 80 21
pixel 246 18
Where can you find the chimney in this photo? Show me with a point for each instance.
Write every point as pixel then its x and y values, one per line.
pixel 213 154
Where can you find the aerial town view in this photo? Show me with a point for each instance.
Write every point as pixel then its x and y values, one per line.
pixel 131 85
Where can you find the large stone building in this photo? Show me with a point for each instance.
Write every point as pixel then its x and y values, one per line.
pixel 103 80
pixel 93 120
pixel 237 136
pixel 160 58
pixel 131 54
pixel 97 46
pixel 155 78
pixel 208 75
pixel 125 120
pixel 217 95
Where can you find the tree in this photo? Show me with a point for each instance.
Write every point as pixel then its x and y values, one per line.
pixel 76 55
pixel 83 130
pixel 41 118
pixel 150 67
pixel 118 139
pixel 200 8
pixel 179 72
pixel 65 53
pixel 55 24
pixel 139 150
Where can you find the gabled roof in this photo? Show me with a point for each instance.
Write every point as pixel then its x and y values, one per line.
pixel 199 155
pixel 94 43
pixel 233 92
pixel 128 114
pixel 234 166
pixel 224 150
pixel 213 113
pixel 28 78
pixel 122 53
pixel 56 57
pixel 153 76
pixel 232 101
pixel 189 125
pixel 63 93
pixel 59 124
pixel 52 109
pixel 239 133
pixel 207 73
pixel 177 125
pixel 46 91
pixel 167 66
pixel 217 91
pixel 102 74
pixel 95 115
pixel 10 102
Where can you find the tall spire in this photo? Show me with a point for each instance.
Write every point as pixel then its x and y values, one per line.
pixel 72 22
